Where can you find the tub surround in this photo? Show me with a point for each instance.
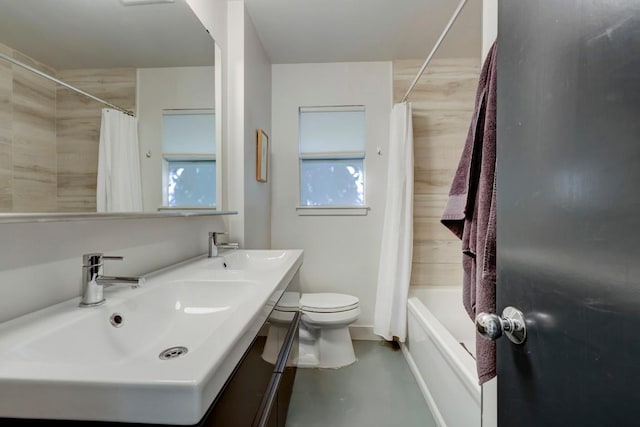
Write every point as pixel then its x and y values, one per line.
pixel 442 104
pixel 215 311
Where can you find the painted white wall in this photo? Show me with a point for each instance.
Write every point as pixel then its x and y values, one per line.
pixel 489 25
pixel 235 120
pixel 257 115
pixel 160 89
pixel 249 99
pixel 341 252
pixel 41 263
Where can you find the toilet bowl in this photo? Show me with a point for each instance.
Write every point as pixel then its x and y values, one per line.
pixel 279 322
pixel 325 341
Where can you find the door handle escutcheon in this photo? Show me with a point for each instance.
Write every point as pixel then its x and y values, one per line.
pixel 512 324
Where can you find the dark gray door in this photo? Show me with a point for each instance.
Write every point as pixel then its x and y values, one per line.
pixel 569 211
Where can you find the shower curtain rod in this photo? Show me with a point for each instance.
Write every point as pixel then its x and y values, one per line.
pixel 435 48
pixel 61 83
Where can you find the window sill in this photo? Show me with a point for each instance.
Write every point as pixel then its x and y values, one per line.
pixel 332 210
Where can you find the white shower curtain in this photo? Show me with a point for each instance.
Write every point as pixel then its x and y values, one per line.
pixel 119 182
pixel 394 271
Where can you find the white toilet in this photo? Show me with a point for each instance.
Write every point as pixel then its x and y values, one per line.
pixel 325 341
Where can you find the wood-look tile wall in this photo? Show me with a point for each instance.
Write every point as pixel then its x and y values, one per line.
pixel 78 121
pixel 28 166
pixel 6 134
pixel 442 106
pixel 49 135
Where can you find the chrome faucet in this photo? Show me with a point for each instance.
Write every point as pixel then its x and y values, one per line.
pixel 93 281
pixel 214 245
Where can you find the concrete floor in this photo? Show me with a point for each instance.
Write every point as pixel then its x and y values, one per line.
pixel 378 390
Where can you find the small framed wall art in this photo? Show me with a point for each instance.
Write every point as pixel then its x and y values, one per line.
pixel 262 156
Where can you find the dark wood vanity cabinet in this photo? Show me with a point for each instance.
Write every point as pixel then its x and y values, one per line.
pixel 258 392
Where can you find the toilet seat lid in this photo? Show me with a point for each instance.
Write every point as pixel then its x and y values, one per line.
pixel 290 301
pixel 328 302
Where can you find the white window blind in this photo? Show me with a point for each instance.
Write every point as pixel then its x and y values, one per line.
pixel 189 131
pixel 332 130
pixel 332 150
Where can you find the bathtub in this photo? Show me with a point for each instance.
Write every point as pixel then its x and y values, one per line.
pixel 439 349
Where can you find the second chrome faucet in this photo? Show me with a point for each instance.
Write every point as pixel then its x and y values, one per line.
pixel 214 244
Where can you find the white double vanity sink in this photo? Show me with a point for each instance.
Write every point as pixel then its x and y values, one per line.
pixel 159 353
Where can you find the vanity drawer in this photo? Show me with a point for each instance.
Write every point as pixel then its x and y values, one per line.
pixel 258 392
pixel 275 404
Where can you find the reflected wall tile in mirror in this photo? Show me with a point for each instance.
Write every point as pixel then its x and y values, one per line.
pixel 34 142
pixel 116 85
pixel 6 134
pixel 6 177
pixel 78 130
pixel 77 192
pixel 6 87
pixel 77 145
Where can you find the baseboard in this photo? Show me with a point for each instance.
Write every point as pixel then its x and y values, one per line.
pixel 363 333
pixel 437 416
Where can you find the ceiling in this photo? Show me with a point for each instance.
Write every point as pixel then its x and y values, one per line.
pixel 68 34
pixel 307 31
pixel 103 33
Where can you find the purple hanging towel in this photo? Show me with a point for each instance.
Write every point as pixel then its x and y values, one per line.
pixel 471 212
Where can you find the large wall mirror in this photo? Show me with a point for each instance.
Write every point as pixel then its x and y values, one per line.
pixel 61 152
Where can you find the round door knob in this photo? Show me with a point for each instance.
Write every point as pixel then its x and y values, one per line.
pixel 489 325
pixel 511 324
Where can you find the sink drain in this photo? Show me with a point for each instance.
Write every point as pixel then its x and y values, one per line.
pixel 173 352
pixel 116 320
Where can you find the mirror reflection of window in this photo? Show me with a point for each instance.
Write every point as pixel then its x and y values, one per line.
pixel 189 158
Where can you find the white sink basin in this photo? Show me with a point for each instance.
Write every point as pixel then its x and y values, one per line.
pixel 249 261
pixel 67 362
pixel 176 314
pixel 256 260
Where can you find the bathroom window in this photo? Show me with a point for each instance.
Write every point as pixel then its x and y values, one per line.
pixel 189 158
pixel 332 153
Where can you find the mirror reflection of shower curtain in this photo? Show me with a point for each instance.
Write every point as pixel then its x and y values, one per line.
pixel 396 251
pixel 119 181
